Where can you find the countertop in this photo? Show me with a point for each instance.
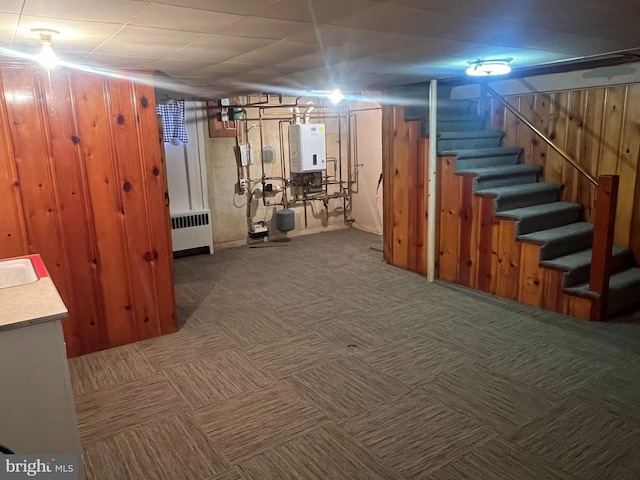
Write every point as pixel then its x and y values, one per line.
pixel 31 303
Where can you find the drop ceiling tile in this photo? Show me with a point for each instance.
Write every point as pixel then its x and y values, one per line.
pixel 177 66
pixel 11 6
pixel 313 60
pixel 276 52
pixel 8 25
pixel 264 28
pixel 228 68
pixel 104 11
pixel 180 18
pixel 335 35
pixel 238 7
pixel 116 61
pixel 274 70
pixel 314 11
pixel 216 48
pixel 388 17
pixel 148 42
pixel 74 34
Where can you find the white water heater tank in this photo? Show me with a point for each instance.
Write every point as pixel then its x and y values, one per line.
pixel 307 147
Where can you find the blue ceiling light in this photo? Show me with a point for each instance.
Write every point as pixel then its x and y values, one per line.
pixel 490 66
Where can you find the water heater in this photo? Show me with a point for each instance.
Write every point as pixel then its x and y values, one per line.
pixel 307 147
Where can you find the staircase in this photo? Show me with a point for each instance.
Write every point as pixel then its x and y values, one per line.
pixel 528 217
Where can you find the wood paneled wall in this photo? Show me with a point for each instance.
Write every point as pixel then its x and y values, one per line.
pixel 83 183
pixel 405 174
pixel 600 128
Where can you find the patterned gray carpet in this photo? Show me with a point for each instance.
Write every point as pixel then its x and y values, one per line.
pixel 313 359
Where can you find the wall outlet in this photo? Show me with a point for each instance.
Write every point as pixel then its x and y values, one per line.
pixel 242 183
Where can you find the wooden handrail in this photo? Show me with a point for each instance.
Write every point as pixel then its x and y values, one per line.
pixel 524 120
pixel 604 225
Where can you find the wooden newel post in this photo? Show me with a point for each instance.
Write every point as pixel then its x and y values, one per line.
pixel 605 217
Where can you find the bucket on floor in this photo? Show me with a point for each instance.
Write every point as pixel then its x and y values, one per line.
pixel 285 220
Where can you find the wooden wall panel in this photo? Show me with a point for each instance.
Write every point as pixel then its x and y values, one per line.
pixel 507 285
pixel 600 128
pixel 38 189
pixel 404 159
pixel 450 198
pixel 531 275
pixel 92 201
pixel 154 174
pixel 96 146
pixel 468 245
pixel 75 214
pixel 405 191
pixel 13 234
pixel 134 218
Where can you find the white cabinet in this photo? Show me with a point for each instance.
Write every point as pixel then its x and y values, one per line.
pixel 37 411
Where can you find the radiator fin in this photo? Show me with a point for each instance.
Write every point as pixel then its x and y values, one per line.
pixel 189 221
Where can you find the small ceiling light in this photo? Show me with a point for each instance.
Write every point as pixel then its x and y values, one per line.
pixel 486 67
pixel 336 96
pixel 47 57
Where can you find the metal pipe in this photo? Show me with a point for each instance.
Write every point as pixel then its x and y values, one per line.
pixel 267 118
pixel 432 186
pixel 282 161
pixel 340 145
pixel 264 195
pixel 365 109
pixel 523 119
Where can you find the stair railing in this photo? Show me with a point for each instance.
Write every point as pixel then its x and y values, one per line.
pixel 605 214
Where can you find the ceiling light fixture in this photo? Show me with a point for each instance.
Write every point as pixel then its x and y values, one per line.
pixel 486 67
pixel 335 96
pixel 47 57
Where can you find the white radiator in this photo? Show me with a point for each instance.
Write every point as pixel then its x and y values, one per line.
pixel 191 230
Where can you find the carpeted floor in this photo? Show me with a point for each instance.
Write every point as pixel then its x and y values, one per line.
pixel 313 359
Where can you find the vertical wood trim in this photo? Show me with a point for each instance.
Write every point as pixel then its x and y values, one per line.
pixel 466 255
pixel 603 231
pixel 422 213
pixel 402 180
pixel 628 166
pixel 579 307
pixel 531 275
pixel 71 324
pixel 32 149
pixel 134 216
pixel 154 180
pixel 486 253
pixel 388 116
pixel 508 261
pixel 93 127
pixel 13 233
pixel 81 328
pixel 415 169
pixel 553 281
pixel 449 220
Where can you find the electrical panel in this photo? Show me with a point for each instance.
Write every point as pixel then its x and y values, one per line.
pixel 307 147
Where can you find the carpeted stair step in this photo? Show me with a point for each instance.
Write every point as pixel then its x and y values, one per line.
pixel 542 217
pixel 520 196
pixel 559 241
pixel 419 111
pixel 467 159
pixel 493 177
pixel 577 265
pixel 472 139
pixel 452 107
pixel 624 290
pixel 454 122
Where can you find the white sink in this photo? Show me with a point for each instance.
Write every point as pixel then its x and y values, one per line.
pixel 16 272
